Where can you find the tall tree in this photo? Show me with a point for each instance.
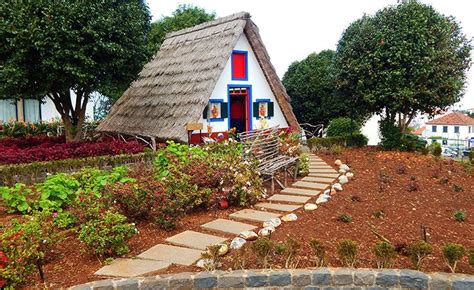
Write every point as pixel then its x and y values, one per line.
pixel 183 17
pixel 310 84
pixel 50 48
pixel 405 60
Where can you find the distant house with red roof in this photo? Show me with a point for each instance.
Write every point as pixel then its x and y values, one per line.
pixel 452 129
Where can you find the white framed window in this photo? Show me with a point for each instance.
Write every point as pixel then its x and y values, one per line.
pixel 32 110
pixel 8 111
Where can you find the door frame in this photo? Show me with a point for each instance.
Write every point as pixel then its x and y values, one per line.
pixel 248 100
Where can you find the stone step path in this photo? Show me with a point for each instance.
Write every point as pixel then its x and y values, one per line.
pixel 277 206
pixel 300 191
pixel 227 226
pixel 186 247
pixel 253 215
pixel 195 240
pixel 289 198
pixel 310 185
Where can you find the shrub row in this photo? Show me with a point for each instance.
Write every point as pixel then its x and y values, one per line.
pixel 21 129
pixel 29 173
pixel 357 140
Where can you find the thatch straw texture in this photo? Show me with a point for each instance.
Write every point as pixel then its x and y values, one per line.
pixel 175 86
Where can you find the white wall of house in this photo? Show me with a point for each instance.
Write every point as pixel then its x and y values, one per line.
pixel 448 136
pixel 260 90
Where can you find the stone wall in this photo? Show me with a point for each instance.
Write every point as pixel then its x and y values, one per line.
pixel 317 278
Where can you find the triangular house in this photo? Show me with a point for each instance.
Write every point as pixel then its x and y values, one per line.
pixel 217 74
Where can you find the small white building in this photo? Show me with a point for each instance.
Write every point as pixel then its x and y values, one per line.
pixel 33 110
pixel 211 77
pixel 451 130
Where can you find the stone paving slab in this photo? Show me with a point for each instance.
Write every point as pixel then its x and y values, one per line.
pixel 300 191
pixel 228 226
pixel 131 267
pixel 319 170
pixel 318 179
pixel 289 198
pixel 312 185
pixel 172 254
pixel 195 240
pixel 317 162
pixel 277 206
pixel 253 215
pixel 320 167
pixel 319 174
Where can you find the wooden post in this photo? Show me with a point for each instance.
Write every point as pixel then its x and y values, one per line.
pixel 153 143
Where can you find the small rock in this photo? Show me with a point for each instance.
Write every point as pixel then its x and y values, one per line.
pixel 205 263
pixel 343 179
pixel 237 243
pixel 248 235
pixel 327 192
pixel 323 198
pixel 345 167
pixel 223 249
pixel 342 171
pixel 310 206
pixel 274 222
pixel 349 174
pixel 291 217
pixel 338 162
pixel 265 232
pixel 337 186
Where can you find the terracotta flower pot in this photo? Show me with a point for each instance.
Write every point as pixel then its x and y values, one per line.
pixel 223 203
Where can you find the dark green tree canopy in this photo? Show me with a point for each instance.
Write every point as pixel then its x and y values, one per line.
pixel 52 47
pixel 183 17
pixel 310 84
pixel 404 60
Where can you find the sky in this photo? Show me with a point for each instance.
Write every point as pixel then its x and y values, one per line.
pixel 291 30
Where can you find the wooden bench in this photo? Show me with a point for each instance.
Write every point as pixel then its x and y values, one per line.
pixel 264 145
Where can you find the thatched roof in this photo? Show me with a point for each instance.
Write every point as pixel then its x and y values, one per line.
pixel 175 86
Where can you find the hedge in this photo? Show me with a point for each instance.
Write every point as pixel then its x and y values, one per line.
pixel 30 173
pixel 358 140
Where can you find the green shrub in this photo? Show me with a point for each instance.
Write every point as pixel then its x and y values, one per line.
pixel 471 257
pixel 107 234
pixel 460 215
pixel 457 188
pixel 384 254
pixel 25 245
pixel 94 180
pixel 262 249
pixel 452 254
pixel 16 198
pixel 292 247
pixel 57 191
pixel 471 156
pixel 343 217
pixel 343 127
pixel 357 140
pixel 410 142
pixel 435 149
pixel 64 220
pixel 319 252
pixel 347 251
pixel 211 255
pixel 336 149
pixel 418 251
pixel 390 135
pixel 22 129
pixel 303 167
pixel 319 143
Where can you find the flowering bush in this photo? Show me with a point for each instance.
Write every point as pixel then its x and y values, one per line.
pixel 24 246
pixel 107 234
pixel 290 142
pixel 19 129
pixel 42 148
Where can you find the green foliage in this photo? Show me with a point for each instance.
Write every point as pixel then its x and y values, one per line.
pixel 412 143
pixel 21 129
pixel 358 140
pixel 52 47
pixel 435 149
pixel 57 191
pixel 292 248
pixel 347 251
pixel 310 83
pixel 183 17
pixel 471 156
pixel 452 254
pixel 319 252
pixel 384 254
pixel 107 234
pixel 390 135
pixel 336 149
pixel 211 255
pixel 16 198
pixel 303 167
pixel 64 220
pixel 343 127
pixel 471 257
pixel 325 143
pixel 460 215
pixel 418 251
pixel 457 187
pixel 262 249
pixel 25 245
pixel 405 60
pixel 94 180
pixel 343 217
pixel 181 152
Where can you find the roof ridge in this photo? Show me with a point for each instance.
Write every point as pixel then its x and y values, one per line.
pixel 236 16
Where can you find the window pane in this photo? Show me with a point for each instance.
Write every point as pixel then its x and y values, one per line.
pixel 7 111
pixel 456 129
pixel 32 110
pixel 445 129
pixel 433 128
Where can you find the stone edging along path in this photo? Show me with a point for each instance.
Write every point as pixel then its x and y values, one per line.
pixel 317 278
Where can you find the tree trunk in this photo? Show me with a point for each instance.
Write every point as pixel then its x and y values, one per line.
pixel 73 117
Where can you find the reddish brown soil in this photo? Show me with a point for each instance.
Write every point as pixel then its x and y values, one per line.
pixel 432 204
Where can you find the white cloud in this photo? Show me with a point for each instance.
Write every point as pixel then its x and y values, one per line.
pixel 293 29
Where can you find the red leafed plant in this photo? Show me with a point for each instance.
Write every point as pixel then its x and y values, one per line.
pixel 43 148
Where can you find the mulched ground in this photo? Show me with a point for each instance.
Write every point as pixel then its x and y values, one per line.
pixel 410 189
